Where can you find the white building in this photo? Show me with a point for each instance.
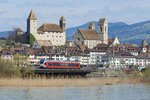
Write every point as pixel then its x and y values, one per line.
pixel 119 61
pixel 96 56
pixel 52 32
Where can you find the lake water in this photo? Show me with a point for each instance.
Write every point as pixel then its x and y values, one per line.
pixel 108 92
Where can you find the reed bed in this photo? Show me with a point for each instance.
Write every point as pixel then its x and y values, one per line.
pixel 52 82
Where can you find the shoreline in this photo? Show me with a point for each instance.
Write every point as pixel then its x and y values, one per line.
pixel 62 82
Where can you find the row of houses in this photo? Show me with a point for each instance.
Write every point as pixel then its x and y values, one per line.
pixel 115 56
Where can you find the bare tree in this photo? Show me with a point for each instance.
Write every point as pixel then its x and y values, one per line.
pixel 12 35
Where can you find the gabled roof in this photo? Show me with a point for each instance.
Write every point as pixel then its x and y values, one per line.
pixel 101 46
pixel 82 47
pixel 44 43
pixel 32 16
pixel 62 18
pixel 30 51
pixel 143 44
pixel 89 34
pixel 50 28
pixel 110 40
pixel 101 21
pixel 16 50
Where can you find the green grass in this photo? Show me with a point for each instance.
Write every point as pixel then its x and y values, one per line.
pixel 2 42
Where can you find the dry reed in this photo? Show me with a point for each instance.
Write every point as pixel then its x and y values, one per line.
pixel 43 82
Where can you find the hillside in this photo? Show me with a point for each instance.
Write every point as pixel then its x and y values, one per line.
pixel 4 33
pixel 134 33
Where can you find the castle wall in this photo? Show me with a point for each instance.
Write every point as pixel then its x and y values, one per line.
pixel 57 38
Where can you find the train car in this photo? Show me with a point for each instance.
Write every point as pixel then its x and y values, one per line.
pixel 44 63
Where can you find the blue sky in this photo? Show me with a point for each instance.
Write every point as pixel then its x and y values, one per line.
pixel 13 13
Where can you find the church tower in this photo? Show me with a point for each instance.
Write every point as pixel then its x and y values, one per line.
pixel 103 30
pixel 91 26
pixel 32 24
pixel 62 23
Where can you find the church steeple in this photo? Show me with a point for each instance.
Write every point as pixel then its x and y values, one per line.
pixel 103 30
pixel 32 16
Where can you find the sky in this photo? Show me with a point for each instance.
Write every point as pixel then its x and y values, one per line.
pixel 14 13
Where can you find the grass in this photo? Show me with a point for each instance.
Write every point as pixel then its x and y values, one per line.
pixel 43 82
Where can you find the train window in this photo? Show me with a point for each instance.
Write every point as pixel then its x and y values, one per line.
pixel 66 64
pixel 58 64
pixel 54 64
pixel 71 64
pixel 50 64
pixel 61 64
pixel 77 65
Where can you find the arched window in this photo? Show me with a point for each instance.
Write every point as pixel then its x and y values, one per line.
pixel 105 29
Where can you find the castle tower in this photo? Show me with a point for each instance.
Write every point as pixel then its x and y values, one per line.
pixel 92 26
pixel 103 30
pixel 32 24
pixel 143 46
pixel 19 32
pixel 62 23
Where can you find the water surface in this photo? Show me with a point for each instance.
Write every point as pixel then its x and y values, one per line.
pixel 110 92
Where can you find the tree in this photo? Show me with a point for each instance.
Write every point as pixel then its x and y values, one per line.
pixel 8 68
pixel 12 36
pixel 31 39
pixel 20 60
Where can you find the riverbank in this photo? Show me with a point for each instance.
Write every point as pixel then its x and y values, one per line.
pixel 38 82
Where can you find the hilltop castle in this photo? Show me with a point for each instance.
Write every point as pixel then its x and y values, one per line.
pixel 53 33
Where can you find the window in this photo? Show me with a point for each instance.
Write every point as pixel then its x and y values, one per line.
pixel 57 58
pixel 101 28
pixel 82 42
pixel 78 39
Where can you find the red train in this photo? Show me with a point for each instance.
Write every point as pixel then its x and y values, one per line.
pixel 44 63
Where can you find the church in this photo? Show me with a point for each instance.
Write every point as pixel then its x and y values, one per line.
pixel 90 37
pixel 49 32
